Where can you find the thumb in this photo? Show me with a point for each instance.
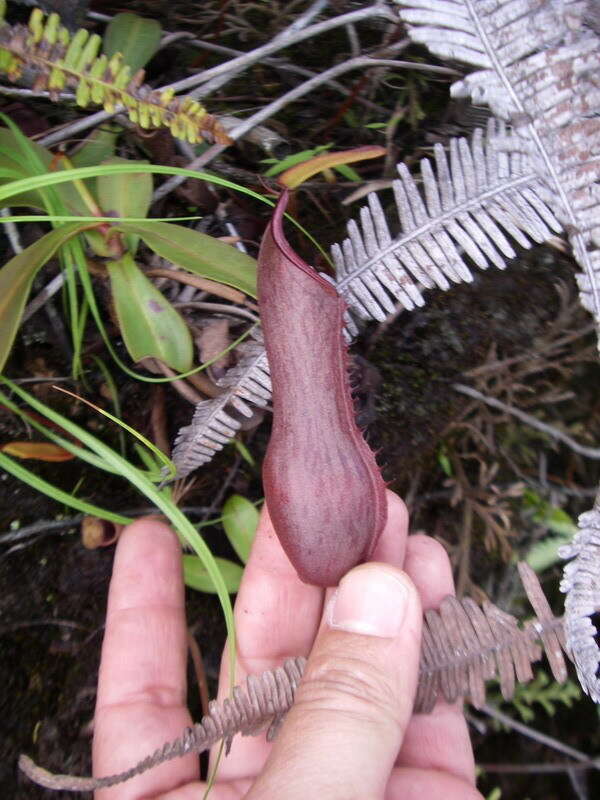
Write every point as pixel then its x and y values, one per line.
pixel 344 731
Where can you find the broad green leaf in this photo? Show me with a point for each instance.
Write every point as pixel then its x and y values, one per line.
pixel 544 553
pixel 240 520
pixel 136 38
pixel 125 195
pixel 149 324
pixel 16 277
pixel 544 513
pixel 28 158
pixel 98 146
pixel 296 175
pixel 201 254
pixel 29 199
pixel 197 577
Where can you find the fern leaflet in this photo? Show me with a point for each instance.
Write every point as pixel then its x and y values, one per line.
pixel 213 425
pixel 480 193
pixel 56 59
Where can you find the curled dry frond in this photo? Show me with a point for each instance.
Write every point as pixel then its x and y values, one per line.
pixel 537 67
pixel 48 56
pixel 463 645
pixel 581 582
pixel 261 703
pixel 213 424
pixel 477 195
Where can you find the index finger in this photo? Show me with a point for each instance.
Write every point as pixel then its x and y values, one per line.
pixel 141 700
pixel 277 617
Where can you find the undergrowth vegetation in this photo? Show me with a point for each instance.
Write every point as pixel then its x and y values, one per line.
pixel 128 278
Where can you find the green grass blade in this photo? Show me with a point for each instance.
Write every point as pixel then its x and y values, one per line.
pixel 40 485
pixel 82 173
pixel 161 458
pixel 77 218
pixel 16 277
pixel 53 436
pixel 160 498
pixel 114 397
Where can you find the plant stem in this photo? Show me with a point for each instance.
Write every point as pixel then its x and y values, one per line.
pixel 528 419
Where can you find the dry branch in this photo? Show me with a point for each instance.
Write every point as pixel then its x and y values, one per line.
pixel 462 646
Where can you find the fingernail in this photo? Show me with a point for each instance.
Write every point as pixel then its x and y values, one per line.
pixel 370 601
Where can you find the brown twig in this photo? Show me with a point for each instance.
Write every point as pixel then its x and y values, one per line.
pixel 204 284
pixel 528 419
pixel 158 420
pixel 218 308
pixel 532 733
pixel 199 671
pixel 185 390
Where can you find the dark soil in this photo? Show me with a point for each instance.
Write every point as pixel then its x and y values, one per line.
pixel 52 609
pixel 53 590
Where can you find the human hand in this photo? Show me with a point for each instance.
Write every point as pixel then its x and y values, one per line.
pixel 350 733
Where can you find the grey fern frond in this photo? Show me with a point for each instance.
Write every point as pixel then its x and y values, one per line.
pixel 479 194
pixel 539 64
pixel 213 425
pixel 491 36
pixel 581 582
pixel 462 647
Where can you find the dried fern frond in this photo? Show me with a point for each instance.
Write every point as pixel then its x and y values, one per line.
pixel 538 66
pixel 537 69
pixel 581 582
pixel 478 195
pixel 494 37
pixel 212 425
pixel 48 56
pixel 462 647
pixel 261 703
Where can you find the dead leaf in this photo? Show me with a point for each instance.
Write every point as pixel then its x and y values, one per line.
pixel 214 339
pixel 42 451
pixel 96 532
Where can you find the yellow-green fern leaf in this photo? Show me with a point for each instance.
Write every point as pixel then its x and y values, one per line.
pixel 75 47
pixel 55 60
pixel 88 53
pixel 82 96
pixel 36 25
pixel 51 29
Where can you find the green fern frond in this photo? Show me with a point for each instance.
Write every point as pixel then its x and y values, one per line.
pixel 543 691
pixel 46 55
